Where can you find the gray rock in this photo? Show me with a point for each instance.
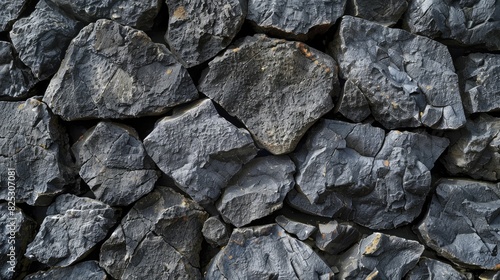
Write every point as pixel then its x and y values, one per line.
pixel 198 30
pixel 42 38
pixel 9 12
pixel 474 149
pixel 429 269
pixel 478 76
pixel 335 237
pixel 73 227
pixel 160 237
pixel 115 71
pixel 329 204
pixel 470 212
pixel 216 232
pixel 384 12
pixel 199 149
pixel 266 252
pixel 278 89
pixel 114 164
pixel 379 256
pixel 36 146
pixel 407 80
pixel 382 180
pixel 490 275
pixel 469 23
pixel 257 190
pixel 297 20
pixel 16 79
pixel 88 270
pixel 301 230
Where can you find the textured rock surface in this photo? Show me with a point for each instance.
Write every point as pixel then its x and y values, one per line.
pixel 257 190
pixel 114 164
pixel 266 252
pixel 42 38
pixel 199 149
pixel 329 204
pixel 72 228
pixel 114 71
pixel 159 238
pixel 335 237
pixel 474 22
pixel 36 146
pixel 379 256
pixel 429 269
pixel 278 89
pixel 407 80
pixel 88 270
pixel 198 30
pixel 301 230
pixel 383 12
pixel 478 75
pixel 470 210
pixel 16 79
pixel 300 20
pixel 490 275
pixel 9 12
pixel 216 232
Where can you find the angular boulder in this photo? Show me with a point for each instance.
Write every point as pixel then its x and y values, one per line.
pixel 88 270
pixel 430 269
pixel 16 80
pixel 216 232
pixel 386 13
pixel 335 237
pixel 301 230
pixel 9 12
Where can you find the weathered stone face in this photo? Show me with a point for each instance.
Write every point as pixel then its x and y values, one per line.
pixel 16 80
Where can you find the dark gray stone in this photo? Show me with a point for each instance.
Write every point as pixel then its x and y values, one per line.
pixel 266 252
pixel 478 76
pixel 469 23
pixel 16 79
pixel 297 20
pixel 335 237
pixel 462 223
pixel 42 38
pixel 429 269
pixel 198 30
pixel 407 80
pixel 278 89
pixel 379 256
pixel 160 238
pixel 257 190
pixel 73 227
pixel 114 164
pixel 9 12
pixel 490 275
pixel 115 71
pixel 384 12
pixel 199 149
pixel 88 270
pixel 329 204
pixel 216 232
pixel 301 230
pixel 36 146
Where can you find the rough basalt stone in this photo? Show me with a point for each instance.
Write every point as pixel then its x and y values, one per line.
pixel 159 238
pixel 386 13
pixel 115 71
pixel 114 164
pixel 36 146
pixel 329 204
pixel 335 237
pixel 16 80
pixel 199 149
pixel 42 38
pixel 298 20
pixel 462 222
pixel 9 12
pixel 216 232
pixel 199 29
pixel 257 190
pixel 407 80
pixel 266 252
pixel 429 269
pixel 490 275
pixel 88 270
pixel 73 227
pixel 301 230
pixel 278 89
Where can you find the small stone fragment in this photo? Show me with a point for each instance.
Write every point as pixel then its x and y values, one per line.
pixel 199 149
pixel 199 29
pixel 335 237
pixel 429 269
pixel 73 227
pixel 278 89
pixel 9 12
pixel 470 210
pixel 115 71
pixel 88 270
pixel 42 38
pixel 407 80
pixel 16 80
pixel 216 232
pixel 301 230
pixel 384 12
pixel 329 204
pixel 379 256
pixel 266 252
pixel 160 238
pixel 257 190
pixel 297 20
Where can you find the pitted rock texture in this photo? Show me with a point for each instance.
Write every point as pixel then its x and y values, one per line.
pixel 384 12
pixel 16 80
pixel 159 238
pixel 469 23
pixel 266 252
pixel 9 12
pixel 72 228
pixel 301 230
pixel 406 80
pixel 278 89
pixel 114 164
pixel 430 269
pixel 115 71
pixel 470 210
pixel 257 190
pixel 42 38
pixel 33 143
pixel 216 232
pixel 199 29
pixel 199 149
pixel 335 237
pixel 297 20
pixel 88 270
